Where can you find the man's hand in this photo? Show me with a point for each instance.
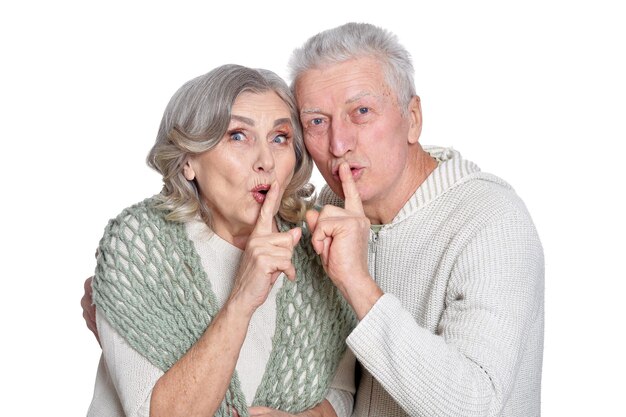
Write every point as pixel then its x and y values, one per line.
pixel 340 237
pixel 89 310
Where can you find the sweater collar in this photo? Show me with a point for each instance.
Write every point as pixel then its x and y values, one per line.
pixel 450 170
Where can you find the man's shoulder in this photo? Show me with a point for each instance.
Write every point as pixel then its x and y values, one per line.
pixel 460 179
pixel 484 198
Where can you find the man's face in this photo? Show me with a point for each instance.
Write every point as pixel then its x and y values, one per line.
pixel 349 114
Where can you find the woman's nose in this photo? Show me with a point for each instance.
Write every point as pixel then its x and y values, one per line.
pixel 264 159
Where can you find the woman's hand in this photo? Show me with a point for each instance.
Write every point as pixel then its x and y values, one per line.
pixel 323 409
pixel 266 255
pixel 268 412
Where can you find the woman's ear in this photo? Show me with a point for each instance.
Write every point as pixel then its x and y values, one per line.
pixel 188 171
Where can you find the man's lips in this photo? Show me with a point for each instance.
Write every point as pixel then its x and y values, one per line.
pixel 259 192
pixel 356 170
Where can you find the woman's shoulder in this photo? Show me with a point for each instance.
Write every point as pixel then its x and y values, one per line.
pixel 144 220
pixel 140 239
pixel 145 210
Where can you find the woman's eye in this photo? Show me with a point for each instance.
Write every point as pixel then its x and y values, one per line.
pixel 280 139
pixel 238 136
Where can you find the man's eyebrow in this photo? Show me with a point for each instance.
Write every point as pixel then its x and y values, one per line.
pixel 358 96
pixel 352 99
pixel 242 119
pixel 310 111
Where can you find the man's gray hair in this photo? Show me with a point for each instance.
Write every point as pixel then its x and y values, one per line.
pixel 358 40
pixel 195 121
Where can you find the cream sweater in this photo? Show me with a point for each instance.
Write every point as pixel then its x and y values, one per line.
pixel 459 331
pixel 125 378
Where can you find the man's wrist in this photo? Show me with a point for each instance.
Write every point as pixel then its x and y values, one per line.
pixel 362 296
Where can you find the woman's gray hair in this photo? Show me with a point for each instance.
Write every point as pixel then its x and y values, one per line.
pixel 196 120
pixel 358 40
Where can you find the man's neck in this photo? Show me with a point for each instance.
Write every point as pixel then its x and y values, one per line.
pixel 384 211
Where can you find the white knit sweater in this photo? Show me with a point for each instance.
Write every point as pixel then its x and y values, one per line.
pixel 125 378
pixel 459 331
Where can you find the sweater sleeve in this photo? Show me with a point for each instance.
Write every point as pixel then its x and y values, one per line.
pixel 342 388
pixel 130 375
pixel 492 315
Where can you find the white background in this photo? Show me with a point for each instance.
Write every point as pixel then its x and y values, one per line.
pixel 532 91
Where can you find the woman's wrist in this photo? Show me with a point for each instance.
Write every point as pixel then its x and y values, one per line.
pixel 238 307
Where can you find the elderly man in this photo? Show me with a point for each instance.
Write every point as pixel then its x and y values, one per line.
pixel 440 261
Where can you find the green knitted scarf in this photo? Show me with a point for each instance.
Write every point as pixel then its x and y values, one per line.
pixel 152 288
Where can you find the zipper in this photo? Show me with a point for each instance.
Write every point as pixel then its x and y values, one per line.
pixel 373 272
pixel 373 247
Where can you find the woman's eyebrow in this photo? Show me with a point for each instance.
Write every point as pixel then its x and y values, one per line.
pixel 242 119
pixel 284 120
pixel 251 122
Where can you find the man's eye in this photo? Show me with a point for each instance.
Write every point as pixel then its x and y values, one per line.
pixel 363 110
pixel 317 121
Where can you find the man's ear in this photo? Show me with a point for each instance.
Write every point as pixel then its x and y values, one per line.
pixel 188 171
pixel 415 119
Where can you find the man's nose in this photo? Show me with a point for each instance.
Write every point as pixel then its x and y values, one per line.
pixel 343 138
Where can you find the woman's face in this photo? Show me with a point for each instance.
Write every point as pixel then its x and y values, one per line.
pixel 256 150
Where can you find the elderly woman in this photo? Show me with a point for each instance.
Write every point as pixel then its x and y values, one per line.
pixel 208 298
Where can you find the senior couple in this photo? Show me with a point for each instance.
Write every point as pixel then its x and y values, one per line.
pixel 231 293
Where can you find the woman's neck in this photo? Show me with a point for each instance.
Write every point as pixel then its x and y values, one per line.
pixel 238 238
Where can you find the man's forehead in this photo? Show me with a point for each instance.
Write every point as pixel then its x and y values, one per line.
pixel 344 82
pixel 331 71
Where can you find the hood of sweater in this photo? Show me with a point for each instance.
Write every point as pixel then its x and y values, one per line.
pixel 451 170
